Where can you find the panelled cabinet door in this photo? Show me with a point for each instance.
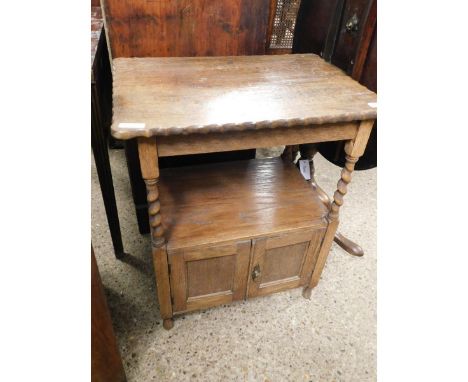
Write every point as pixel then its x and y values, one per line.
pixel 205 277
pixel 283 262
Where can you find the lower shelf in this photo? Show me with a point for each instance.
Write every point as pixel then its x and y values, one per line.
pixel 238 230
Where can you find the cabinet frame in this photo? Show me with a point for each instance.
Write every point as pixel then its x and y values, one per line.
pixel 148 152
pixel 248 254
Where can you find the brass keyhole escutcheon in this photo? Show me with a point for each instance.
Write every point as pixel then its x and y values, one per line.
pixel 256 273
pixel 352 24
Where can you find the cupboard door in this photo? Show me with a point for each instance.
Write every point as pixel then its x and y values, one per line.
pixel 283 262
pixel 209 276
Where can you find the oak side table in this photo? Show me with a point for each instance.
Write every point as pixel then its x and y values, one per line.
pixel 229 231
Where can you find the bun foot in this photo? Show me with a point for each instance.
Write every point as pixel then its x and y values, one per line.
pixel 348 245
pixel 307 292
pixel 168 323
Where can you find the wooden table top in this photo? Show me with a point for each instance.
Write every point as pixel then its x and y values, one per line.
pixel 182 95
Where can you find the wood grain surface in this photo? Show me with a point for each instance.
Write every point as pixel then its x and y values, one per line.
pixel 106 362
pixel 169 96
pixel 237 200
pixel 155 28
pixel 312 25
pixel 283 261
pixel 96 28
pixel 209 276
pixel 251 139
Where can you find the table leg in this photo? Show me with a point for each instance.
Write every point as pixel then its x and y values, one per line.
pixel 353 149
pixel 309 151
pixel 137 185
pixel 101 158
pixel 148 154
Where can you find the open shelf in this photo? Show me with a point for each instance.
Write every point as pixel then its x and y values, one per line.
pixel 231 201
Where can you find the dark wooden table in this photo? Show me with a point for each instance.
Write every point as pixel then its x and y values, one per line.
pixel 101 89
pixel 224 232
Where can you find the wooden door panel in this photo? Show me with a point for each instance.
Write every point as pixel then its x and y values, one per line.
pixel 353 19
pixel 343 32
pixel 287 239
pixel 204 277
pixel 271 278
pixel 219 268
pixel 282 262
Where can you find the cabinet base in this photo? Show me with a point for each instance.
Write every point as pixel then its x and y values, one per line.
pixel 307 292
pixel 168 323
pixel 236 231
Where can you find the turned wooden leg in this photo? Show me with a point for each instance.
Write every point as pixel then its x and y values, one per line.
pixel 137 185
pixel 289 153
pixel 353 149
pixel 148 154
pixel 309 151
pixel 349 246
